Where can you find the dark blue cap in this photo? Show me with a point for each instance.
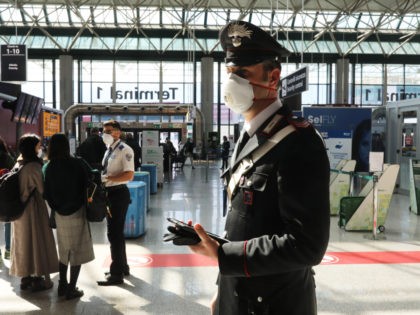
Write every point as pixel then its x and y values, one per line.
pixel 246 44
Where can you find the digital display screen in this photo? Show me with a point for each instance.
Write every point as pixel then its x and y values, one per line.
pixel 27 108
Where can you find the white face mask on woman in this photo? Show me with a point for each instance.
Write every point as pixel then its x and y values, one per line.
pixel 108 139
pixel 39 153
pixel 238 93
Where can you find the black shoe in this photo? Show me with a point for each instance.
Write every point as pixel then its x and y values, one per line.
pixel 40 284
pixel 26 283
pixel 111 280
pixel 62 288
pixel 126 273
pixel 73 293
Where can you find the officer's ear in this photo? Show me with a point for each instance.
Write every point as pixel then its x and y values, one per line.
pixel 274 77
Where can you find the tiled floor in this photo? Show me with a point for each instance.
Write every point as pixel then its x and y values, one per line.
pixel 350 281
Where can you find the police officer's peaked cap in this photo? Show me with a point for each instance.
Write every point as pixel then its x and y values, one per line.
pixel 246 44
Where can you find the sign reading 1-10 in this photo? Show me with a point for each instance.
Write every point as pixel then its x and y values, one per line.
pixel 13 51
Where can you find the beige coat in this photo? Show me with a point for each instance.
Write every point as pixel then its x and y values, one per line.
pixel 33 246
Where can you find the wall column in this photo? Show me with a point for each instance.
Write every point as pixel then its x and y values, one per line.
pixel 207 85
pixel 66 82
pixel 342 85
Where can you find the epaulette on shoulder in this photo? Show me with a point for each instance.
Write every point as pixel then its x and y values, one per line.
pixel 299 122
pixel 121 147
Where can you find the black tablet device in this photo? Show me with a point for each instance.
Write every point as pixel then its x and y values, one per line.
pixel 183 234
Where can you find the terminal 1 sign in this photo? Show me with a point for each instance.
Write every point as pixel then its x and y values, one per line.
pixel 133 93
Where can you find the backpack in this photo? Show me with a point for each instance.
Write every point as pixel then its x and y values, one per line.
pixel 97 200
pixel 11 207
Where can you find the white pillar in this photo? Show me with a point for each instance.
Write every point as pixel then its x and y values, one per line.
pixel 207 86
pixel 342 85
pixel 66 82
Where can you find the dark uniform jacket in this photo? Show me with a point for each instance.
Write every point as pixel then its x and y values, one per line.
pixel 278 224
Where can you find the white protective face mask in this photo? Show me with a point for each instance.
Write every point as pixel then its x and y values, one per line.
pixel 238 93
pixel 39 153
pixel 108 139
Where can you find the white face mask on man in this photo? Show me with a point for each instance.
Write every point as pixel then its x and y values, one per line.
pixel 238 93
pixel 107 139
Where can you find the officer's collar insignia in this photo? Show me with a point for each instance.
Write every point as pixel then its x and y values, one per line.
pixel 272 125
pixel 236 32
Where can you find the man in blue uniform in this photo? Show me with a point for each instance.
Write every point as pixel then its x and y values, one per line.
pixel 118 170
pixel 278 217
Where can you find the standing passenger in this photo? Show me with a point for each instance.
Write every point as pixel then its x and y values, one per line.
pixel 225 152
pixel 34 255
pixel 67 198
pixel 118 170
pixel 134 144
pixel 189 152
pixel 278 221
pixel 6 162
pixel 92 149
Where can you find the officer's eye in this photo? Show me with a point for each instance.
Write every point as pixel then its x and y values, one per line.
pixel 241 73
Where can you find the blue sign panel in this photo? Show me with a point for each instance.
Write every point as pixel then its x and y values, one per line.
pixel 346 131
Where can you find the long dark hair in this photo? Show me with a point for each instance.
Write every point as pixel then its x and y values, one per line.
pixel 27 144
pixel 59 147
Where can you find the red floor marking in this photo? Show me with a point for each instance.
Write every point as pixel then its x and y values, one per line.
pixel 330 258
pixel 388 257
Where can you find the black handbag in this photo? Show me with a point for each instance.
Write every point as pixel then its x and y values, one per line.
pixel 51 220
pixel 97 200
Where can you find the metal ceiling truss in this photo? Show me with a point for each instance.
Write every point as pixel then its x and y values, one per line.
pixel 319 20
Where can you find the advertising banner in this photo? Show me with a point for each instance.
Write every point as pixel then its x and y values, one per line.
pixel 51 123
pixel 150 138
pixel 153 155
pixel 346 132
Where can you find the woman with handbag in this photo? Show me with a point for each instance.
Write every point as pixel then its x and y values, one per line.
pixel 33 255
pixel 65 191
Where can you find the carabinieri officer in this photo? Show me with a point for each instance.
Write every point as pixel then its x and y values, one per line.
pixel 118 170
pixel 278 186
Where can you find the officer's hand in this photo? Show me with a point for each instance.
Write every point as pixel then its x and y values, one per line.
pixel 208 246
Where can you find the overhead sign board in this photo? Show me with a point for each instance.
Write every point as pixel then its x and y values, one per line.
pixel 13 62
pixel 295 83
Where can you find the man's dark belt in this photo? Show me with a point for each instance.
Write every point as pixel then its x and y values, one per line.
pixel 116 187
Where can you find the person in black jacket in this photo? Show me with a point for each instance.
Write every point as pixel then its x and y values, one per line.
pixel 188 151
pixel 278 220
pixel 133 143
pixel 225 152
pixel 92 150
pixel 65 184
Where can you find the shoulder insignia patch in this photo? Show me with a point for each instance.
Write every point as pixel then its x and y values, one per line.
pixel 128 156
pixel 300 123
pixel 121 147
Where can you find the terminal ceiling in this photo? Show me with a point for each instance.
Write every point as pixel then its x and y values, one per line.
pixel 172 28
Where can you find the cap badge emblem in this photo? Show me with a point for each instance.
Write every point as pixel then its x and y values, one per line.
pixel 236 32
